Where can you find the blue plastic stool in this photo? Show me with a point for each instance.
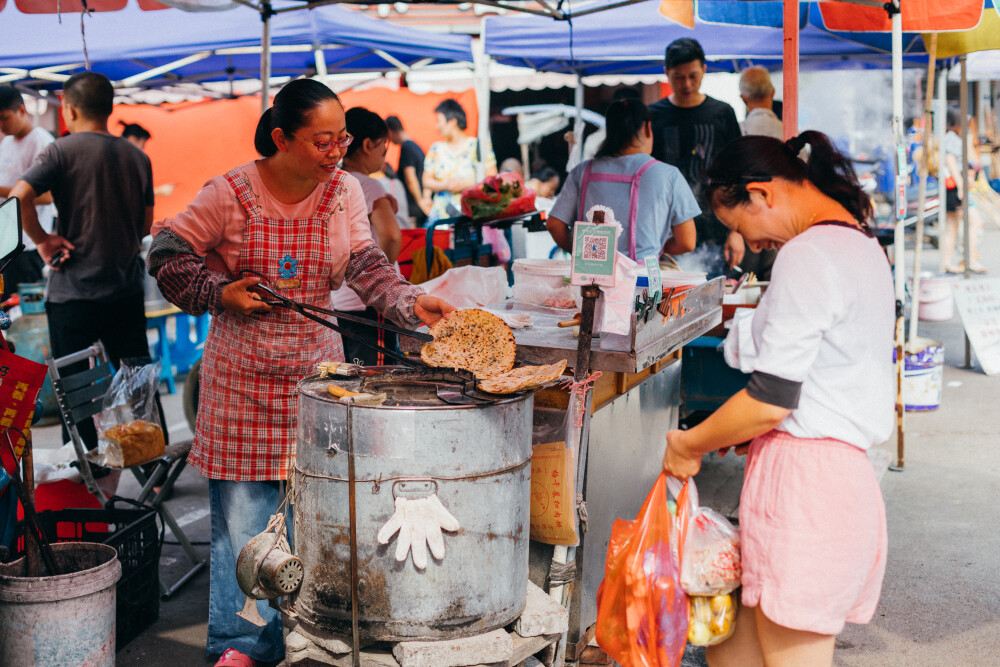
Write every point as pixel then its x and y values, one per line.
pixel 185 350
pixel 157 319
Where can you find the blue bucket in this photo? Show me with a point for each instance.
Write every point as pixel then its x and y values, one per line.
pixel 923 374
pixel 32 298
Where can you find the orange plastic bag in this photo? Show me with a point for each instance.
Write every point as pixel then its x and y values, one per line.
pixel 642 613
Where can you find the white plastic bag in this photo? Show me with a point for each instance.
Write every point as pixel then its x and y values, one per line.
pixel 128 427
pixel 469 286
pixel 616 305
pixel 710 560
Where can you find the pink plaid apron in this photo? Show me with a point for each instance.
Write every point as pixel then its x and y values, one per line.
pixel 247 403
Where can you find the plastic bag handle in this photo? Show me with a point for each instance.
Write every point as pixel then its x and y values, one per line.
pixel 686 496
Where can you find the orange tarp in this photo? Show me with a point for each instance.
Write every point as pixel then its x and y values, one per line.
pixel 194 141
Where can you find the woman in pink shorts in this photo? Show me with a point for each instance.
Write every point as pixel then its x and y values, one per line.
pixel 812 519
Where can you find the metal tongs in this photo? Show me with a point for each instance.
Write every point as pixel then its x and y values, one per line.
pixel 301 309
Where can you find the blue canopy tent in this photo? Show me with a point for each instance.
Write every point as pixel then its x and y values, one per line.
pixel 138 48
pixel 635 41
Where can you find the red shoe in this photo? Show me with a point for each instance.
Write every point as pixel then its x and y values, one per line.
pixel 233 658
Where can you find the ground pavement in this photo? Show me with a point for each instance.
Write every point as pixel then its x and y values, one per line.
pixel 940 601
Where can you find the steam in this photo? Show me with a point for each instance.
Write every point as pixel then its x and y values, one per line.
pixel 705 258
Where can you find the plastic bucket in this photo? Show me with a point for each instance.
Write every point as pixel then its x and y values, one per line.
pixel 32 298
pixel 923 374
pixel 68 619
pixel 937 303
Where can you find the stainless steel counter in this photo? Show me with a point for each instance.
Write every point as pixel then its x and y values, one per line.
pixel 652 338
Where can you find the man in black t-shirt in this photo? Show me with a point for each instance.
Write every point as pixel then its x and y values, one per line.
pixel 410 170
pixel 689 129
pixel 103 189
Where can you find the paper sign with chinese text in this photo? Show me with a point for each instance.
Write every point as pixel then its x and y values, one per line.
pixel 978 303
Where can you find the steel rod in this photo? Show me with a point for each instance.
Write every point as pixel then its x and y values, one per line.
pixel 963 101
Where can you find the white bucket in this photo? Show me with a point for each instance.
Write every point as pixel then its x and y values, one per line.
pixel 923 375
pixel 937 303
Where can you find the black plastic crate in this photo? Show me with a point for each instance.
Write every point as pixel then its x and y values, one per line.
pixel 133 532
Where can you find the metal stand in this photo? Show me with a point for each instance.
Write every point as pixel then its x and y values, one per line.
pixel 580 405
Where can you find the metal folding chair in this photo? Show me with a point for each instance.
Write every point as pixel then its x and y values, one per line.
pixel 80 397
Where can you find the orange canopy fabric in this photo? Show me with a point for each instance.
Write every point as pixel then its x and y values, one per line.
pixel 918 16
pixel 194 141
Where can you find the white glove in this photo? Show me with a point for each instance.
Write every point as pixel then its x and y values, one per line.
pixel 419 522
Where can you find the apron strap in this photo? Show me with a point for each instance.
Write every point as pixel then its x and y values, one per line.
pixel 240 183
pixel 633 199
pixel 329 198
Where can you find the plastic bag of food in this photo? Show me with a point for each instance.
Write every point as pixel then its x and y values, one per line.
pixel 710 545
pixel 500 196
pixel 642 613
pixel 712 619
pixel 128 425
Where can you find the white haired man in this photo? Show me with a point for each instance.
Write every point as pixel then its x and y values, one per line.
pixel 757 93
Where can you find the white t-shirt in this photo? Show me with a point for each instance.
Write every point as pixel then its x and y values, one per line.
pixel 344 298
pixel 16 155
pixel 827 320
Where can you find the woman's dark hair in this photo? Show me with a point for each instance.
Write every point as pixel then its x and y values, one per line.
pixel 290 111
pixel 682 51
pixel 624 120
pixel 363 124
pixel 134 130
pixel 452 110
pixel 953 117
pixel 545 174
pixel 758 158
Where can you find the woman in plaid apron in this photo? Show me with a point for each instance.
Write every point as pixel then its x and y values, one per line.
pixel 298 220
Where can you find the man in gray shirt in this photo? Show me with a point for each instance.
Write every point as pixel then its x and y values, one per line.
pixel 103 189
pixel 757 92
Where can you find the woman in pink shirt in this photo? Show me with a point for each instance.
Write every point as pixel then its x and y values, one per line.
pixel 296 218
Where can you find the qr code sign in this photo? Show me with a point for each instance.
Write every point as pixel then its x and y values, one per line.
pixel 595 248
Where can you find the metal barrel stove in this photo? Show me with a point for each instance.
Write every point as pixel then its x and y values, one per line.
pixel 475 457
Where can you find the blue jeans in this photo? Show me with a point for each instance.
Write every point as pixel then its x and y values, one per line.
pixel 240 510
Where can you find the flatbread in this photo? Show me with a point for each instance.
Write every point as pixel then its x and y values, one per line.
pixel 523 378
pixel 473 340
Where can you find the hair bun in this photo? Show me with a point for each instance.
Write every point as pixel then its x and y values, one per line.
pixel 796 144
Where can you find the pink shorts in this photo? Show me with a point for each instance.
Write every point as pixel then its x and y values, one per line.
pixel 812 533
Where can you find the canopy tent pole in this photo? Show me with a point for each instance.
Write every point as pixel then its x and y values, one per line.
pixel 963 101
pixel 922 170
pixel 481 76
pixel 577 152
pixel 265 56
pixel 940 128
pixel 899 231
pixel 790 79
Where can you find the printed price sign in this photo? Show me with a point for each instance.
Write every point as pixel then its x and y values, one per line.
pixel 978 302
pixel 655 279
pixel 594 254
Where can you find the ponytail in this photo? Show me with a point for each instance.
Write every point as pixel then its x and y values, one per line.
pixel 262 139
pixel 758 158
pixel 624 120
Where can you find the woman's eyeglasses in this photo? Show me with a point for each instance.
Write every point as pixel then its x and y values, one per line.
pixel 327 146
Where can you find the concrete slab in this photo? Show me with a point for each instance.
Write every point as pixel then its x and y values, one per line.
pixel 491 647
pixel 542 615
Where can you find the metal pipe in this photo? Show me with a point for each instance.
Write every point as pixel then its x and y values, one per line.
pixel 963 101
pixel 899 230
pixel 577 151
pixel 265 56
pixel 922 169
pixel 790 79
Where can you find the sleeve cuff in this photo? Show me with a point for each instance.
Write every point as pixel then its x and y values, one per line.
pixel 774 390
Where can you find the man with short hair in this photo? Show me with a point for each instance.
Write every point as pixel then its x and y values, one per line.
pixel 103 188
pixel 757 92
pixel 410 170
pixel 689 129
pixel 18 151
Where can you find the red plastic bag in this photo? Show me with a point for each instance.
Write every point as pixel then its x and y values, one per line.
pixel 20 381
pixel 500 196
pixel 642 613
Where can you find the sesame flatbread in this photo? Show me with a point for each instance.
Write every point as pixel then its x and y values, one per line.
pixel 523 379
pixel 473 340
